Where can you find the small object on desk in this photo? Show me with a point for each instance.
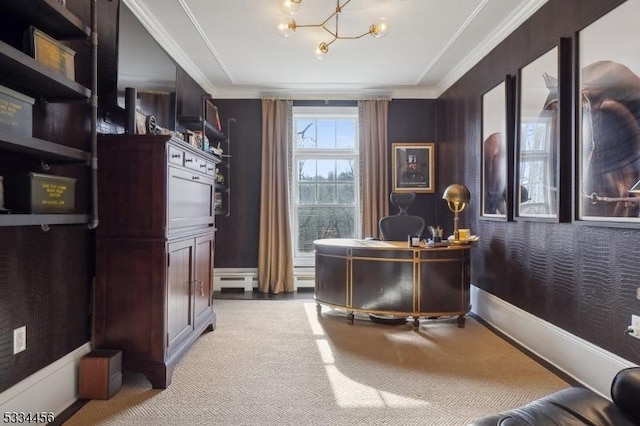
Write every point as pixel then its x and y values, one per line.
pixel 436 233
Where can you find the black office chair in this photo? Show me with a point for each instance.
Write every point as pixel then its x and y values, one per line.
pixel 398 227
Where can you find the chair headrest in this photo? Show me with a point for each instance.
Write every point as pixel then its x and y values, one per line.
pixel 402 200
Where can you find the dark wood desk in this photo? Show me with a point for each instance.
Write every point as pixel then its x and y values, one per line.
pixel 389 278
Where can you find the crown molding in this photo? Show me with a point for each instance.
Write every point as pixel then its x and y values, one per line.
pixel 156 30
pixel 513 21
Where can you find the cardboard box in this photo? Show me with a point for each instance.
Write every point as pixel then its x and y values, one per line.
pixel 16 111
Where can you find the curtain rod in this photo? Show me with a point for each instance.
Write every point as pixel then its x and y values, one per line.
pixel 326 99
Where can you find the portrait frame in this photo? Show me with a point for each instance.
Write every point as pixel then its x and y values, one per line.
pixel 607 154
pixel 496 164
pixel 542 189
pixel 413 167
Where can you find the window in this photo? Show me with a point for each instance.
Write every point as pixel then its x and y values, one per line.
pixel 325 177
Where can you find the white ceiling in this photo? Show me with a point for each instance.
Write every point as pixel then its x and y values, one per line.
pixel 232 49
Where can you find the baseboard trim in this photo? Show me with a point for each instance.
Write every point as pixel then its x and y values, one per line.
pixel 52 389
pixel 586 363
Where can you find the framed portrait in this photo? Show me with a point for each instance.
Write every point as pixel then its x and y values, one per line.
pixel 543 152
pixel 494 153
pixel 608 116
pixel 537 168
pixel 413 167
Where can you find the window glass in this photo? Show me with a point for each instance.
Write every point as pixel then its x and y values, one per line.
pixel 325 177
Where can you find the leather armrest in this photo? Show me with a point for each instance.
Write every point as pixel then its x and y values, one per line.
pixel 625 392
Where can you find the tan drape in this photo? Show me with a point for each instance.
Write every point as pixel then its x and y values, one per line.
pixel 275 256
pixel 375 189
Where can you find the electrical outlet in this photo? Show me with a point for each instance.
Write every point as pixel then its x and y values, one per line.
pixel 638 293
pixel 635 321
pixel 19 339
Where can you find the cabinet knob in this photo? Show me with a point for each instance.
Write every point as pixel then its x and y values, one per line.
pixel 202 166
pixel 188 160
pixel 175 155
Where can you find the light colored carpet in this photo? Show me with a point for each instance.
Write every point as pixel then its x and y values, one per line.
pixel 278 363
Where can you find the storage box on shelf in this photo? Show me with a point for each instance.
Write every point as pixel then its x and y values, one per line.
pixel 50 52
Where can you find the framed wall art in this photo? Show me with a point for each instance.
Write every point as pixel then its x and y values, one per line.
pixel 608 116
pixel 543 152
pixel 413 167
pixel 494 153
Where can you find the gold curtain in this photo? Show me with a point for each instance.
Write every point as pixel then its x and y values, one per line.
pixel 275 255
pixel 373 151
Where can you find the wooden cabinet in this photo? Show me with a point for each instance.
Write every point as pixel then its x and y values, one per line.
pixel 155 250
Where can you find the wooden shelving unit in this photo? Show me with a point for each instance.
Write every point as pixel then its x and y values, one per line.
pixel 22 73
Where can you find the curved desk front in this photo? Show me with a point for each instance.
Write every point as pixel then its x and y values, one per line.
pixel 390 278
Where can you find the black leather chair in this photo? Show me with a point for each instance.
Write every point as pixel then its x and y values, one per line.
pixel 397 227
pixel 578 406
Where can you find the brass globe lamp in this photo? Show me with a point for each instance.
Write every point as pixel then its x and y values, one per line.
pixel 457 197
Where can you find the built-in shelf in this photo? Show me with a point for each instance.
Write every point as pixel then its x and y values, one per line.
pixel 23 73
pixel 48 16
pixel 45 150
pixel 42 219
pixel 197 123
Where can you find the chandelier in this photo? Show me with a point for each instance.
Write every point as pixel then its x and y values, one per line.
pixel 290 7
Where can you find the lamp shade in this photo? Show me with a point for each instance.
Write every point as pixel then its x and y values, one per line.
pixel 457 194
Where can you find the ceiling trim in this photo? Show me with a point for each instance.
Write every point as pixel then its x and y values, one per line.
pixel 453 39
pixel 206 40
pixel 163 38
pixel 513 21
pixel 158 32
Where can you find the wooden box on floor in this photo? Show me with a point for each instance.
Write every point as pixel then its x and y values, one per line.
pixel 100 374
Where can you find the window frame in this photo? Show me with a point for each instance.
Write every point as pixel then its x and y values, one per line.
pixel 322 112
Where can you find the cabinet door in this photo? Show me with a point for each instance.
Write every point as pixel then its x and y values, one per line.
pixel 203 276
pixel 444 281
pixel 190 199
pixel 179 292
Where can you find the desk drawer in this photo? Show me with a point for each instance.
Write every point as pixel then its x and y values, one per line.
pixel 176 156
pixel 193 162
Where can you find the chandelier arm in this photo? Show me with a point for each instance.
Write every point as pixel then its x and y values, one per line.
pixel 331 42
pixel 308 25
pixel 335 13
pixel 334 35
pixel 354 37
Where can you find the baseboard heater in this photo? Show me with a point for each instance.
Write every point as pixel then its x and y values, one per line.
pixel 241 280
